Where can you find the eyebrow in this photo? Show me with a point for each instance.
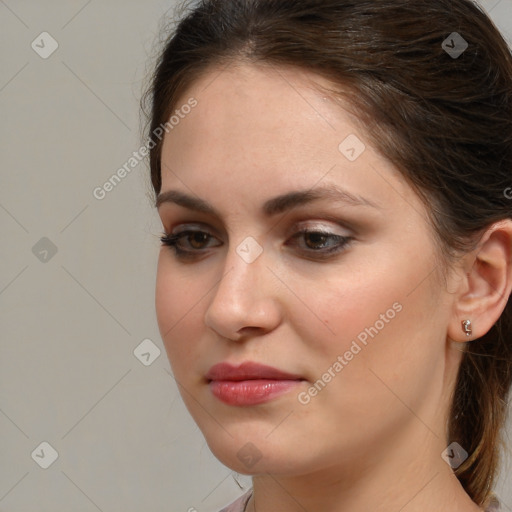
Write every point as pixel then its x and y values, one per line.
pixel 274 206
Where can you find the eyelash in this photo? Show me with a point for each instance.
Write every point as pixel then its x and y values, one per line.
pixel 172 241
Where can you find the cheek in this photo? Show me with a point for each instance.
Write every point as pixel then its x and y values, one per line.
pixel 343 306
pixel 179 314
pixel 381 319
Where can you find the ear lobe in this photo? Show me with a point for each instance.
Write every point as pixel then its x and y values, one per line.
pixel 486 286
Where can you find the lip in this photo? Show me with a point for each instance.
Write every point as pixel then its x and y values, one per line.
pixel 250 383
pixel 248 370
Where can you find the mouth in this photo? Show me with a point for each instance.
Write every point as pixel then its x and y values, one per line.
pixel 250 383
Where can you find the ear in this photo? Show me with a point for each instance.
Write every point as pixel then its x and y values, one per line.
pixel 485 289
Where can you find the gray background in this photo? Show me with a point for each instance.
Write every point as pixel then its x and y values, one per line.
pixel 71 320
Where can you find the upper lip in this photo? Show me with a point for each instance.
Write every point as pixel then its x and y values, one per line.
pixel 248 370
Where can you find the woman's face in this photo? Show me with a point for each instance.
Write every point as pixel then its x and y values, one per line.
pixel 357 315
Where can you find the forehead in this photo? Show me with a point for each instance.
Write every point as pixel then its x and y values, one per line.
pixel 260 129
pixel 271 105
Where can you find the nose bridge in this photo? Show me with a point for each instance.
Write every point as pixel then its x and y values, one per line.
pixel 243 270
pixel 241 297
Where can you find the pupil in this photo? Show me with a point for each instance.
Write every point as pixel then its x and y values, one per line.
pixel 317 238
pixel 198 238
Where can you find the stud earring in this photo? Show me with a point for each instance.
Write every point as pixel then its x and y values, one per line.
pixel 466 327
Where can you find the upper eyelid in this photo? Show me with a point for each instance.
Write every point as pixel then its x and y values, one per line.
pixel 324 225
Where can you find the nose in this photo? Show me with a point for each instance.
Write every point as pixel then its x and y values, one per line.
pixel 244 301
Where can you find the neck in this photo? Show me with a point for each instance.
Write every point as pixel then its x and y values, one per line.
pixel 408 477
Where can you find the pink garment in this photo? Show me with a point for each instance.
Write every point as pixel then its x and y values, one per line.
pixel 493 505
pixel 240 504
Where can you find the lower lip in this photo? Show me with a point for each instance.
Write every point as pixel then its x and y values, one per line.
pixel 250 392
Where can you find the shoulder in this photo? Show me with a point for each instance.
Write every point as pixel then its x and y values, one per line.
pixel 493 504
pixel 239 504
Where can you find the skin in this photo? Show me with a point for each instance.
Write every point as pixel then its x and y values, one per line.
pixel 372 438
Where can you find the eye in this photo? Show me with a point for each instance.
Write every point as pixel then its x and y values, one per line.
pixel 192 243
pixel 188 243
pixel 321 242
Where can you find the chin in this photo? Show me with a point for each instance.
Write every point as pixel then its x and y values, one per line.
pixel 256 456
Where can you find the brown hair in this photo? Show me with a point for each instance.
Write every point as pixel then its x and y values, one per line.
pixel 444 120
